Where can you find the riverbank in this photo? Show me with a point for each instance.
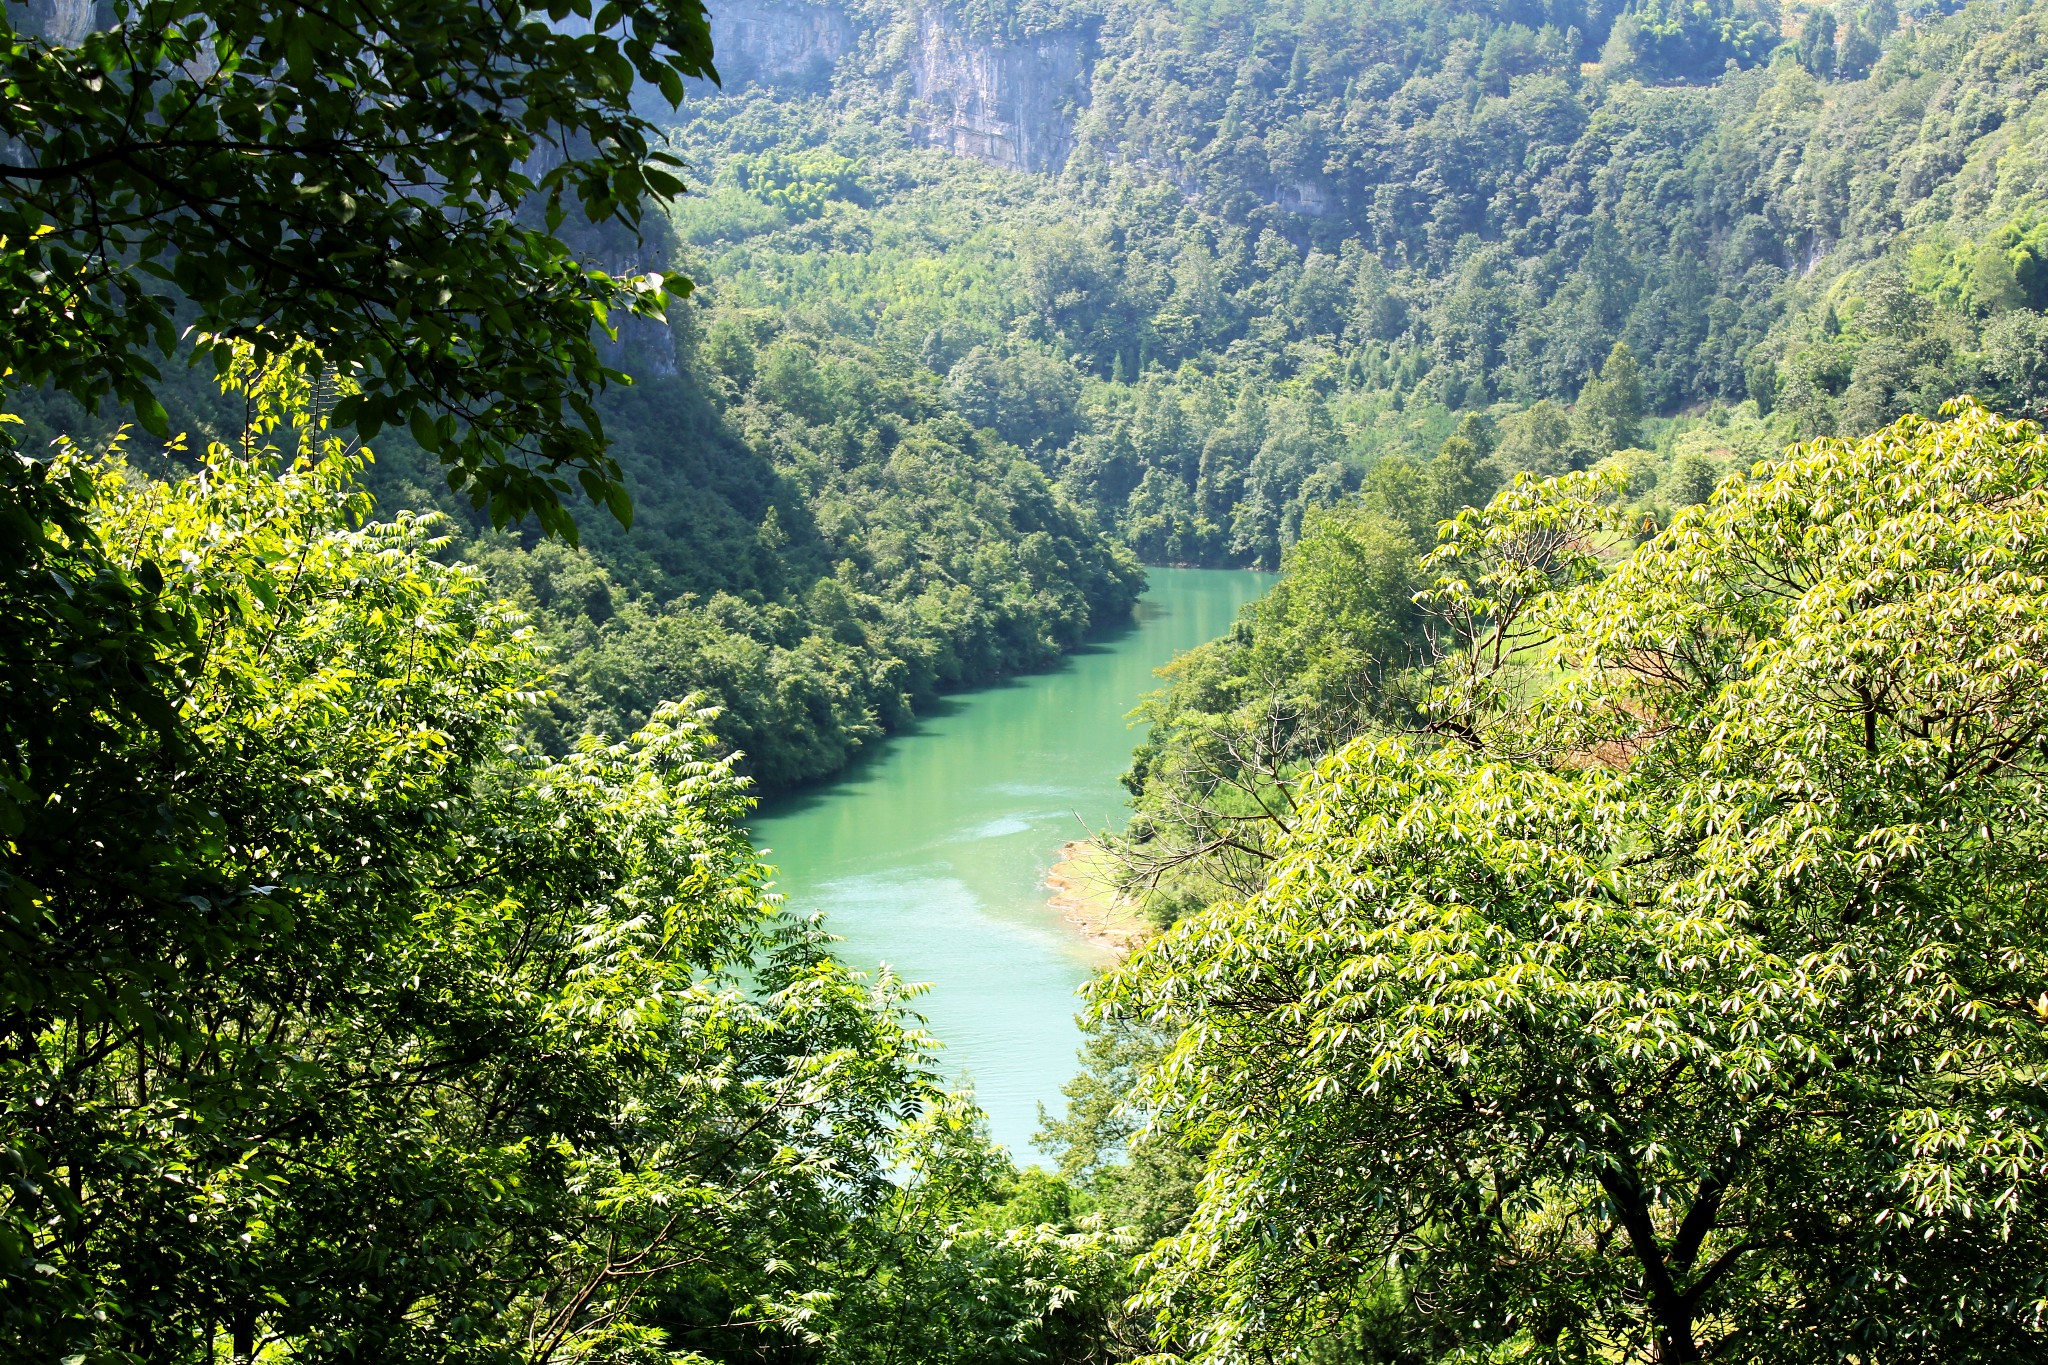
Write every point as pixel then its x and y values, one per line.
pixel 1084 892
pixel 930 854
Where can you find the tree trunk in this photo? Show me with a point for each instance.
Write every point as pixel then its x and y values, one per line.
pixel 1675 1344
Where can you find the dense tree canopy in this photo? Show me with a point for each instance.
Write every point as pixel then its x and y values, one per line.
pixel 821 551
pixel 1613 934
pixel 335 1023
pixel 1291 241
pixel 1681 1006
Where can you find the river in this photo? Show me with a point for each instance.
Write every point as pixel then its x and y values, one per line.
pixel 930 853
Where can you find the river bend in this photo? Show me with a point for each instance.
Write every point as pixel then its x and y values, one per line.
pixel 930 853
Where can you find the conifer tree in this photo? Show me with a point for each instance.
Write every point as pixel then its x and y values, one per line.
pixel 1610 408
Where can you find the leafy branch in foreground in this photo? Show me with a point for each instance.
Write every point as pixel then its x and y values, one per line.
pixel 385 180
pixel 326 1016
pixel 334 1023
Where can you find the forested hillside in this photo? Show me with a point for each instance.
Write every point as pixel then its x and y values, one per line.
pixel 1190 271
pixel 1597 891
pixel 820 551
pixel 1240 255
pixel 821 555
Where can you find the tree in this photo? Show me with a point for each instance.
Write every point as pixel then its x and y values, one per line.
pixel 1693 476
pixel 1817 43
pixel 1028 398
pixel 388 181
pixel 1461 473
pixel 2016 352
pixel 975 1264
pixel 1683 1005
pixel 334 1022
pixel 1074 285
pixel 1621 54
pixel 1993 285
pixel 1197 310
pixel 1537 440
pixel 1608 414
pixel 1316 661
pixel 1858 51
pixel 91 658
pixel 1657 39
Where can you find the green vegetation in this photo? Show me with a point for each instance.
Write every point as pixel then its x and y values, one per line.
pixel 386 181
pixel 820 548
pixel 1293 242
pixel 820 555
pixel 336 1023
pixel 1672 996
pixel 1229 311
pixel 1602 926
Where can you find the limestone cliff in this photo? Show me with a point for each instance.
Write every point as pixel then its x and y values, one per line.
pixel 1009 104
pixel 778 42
pixel 63 22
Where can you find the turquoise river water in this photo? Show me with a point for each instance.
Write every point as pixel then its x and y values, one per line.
pixel 930 854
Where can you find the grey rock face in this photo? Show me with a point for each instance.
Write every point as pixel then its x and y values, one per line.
pixel 62 22
pixel 1010 105
pixel 779 42
pixel 1305 197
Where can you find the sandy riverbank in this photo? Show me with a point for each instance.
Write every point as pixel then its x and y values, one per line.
pixel 1083 892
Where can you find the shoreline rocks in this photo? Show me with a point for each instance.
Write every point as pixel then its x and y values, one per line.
pixel 1084 895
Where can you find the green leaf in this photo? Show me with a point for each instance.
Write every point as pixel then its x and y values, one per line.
pixel 150 412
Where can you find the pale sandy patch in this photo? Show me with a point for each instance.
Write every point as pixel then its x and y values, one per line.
pixel 1084 892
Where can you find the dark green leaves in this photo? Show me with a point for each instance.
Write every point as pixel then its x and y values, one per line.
pixel 364 178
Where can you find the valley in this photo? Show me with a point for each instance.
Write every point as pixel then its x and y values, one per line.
pixel 930 855
pixel 1024 682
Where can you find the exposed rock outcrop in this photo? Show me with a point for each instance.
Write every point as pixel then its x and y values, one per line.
pixel 1306 197
pixel 1009 104
pixel 63 22
pixel 778 42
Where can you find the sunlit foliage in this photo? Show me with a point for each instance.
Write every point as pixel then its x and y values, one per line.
pixel 1682 1006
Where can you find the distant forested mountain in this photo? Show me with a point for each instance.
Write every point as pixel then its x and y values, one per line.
pixel 1236 256
pixel 992 299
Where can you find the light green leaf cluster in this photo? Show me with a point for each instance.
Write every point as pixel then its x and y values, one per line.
pixel 336 1022
pixel 974 1263
pixel 1685 1004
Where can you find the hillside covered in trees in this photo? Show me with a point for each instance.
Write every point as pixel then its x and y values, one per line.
pixel 1256 251
pixel 1597 890
pixel 1251 261
pixel 1167 277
